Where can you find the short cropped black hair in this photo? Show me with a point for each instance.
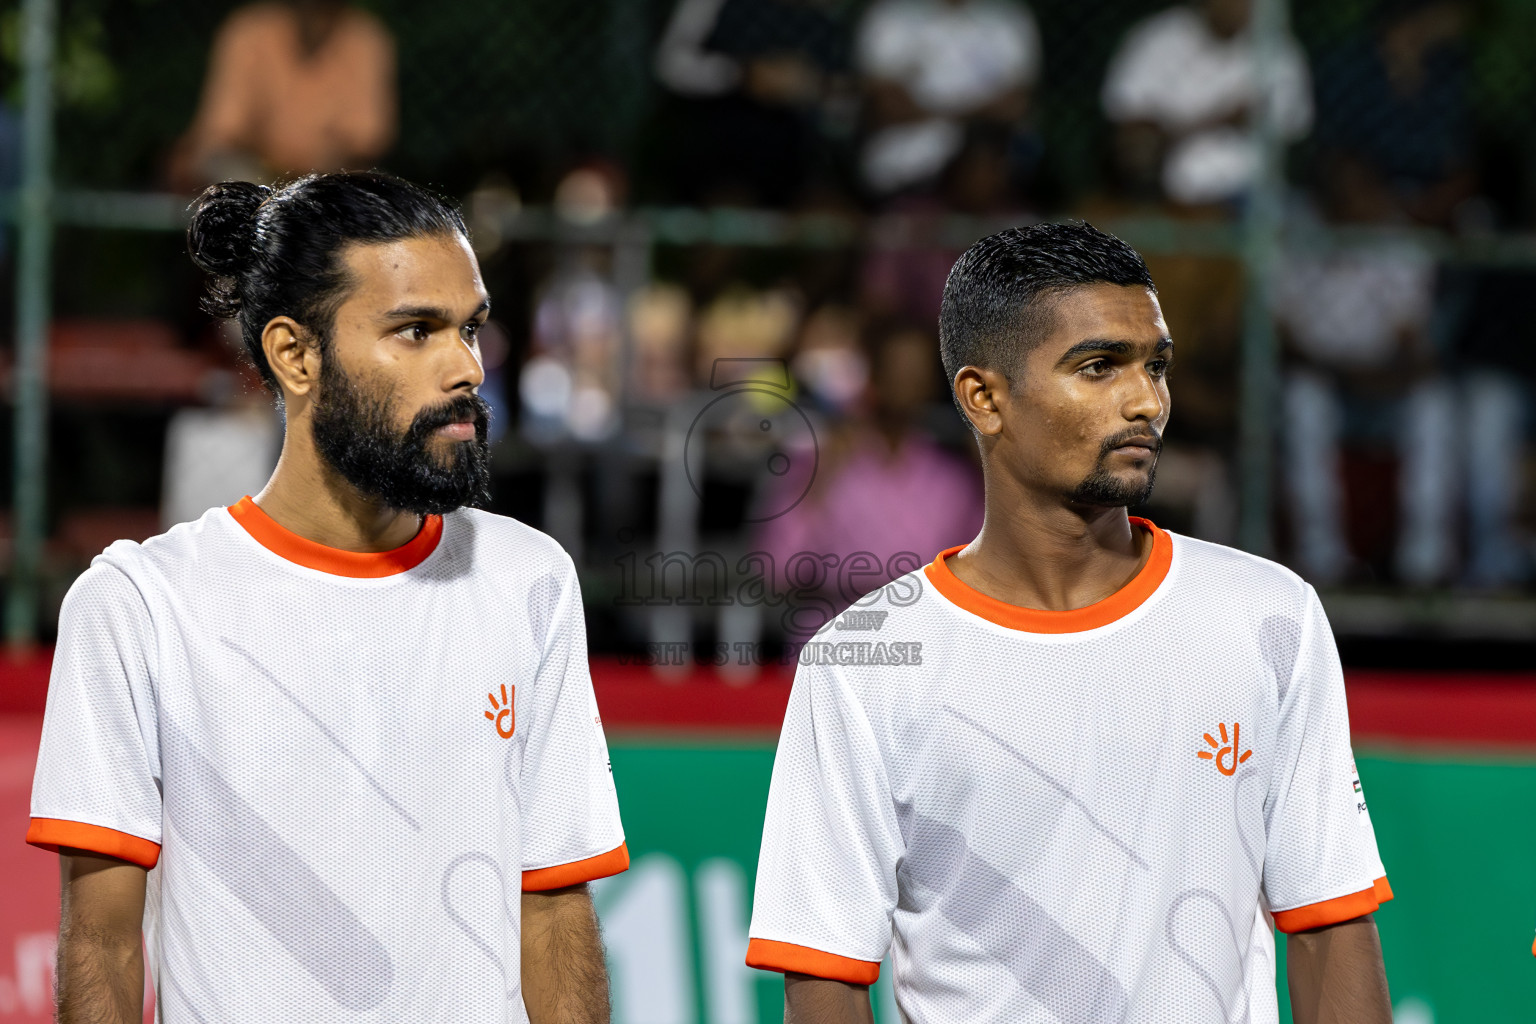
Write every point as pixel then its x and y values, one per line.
pixel 994 307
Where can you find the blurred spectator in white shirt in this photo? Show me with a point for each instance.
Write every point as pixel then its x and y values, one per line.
pixel 1356 322
pixel 933 68
pixel 1185 79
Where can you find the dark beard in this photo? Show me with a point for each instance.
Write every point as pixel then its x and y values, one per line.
pixel 353 434
pixel 1102 488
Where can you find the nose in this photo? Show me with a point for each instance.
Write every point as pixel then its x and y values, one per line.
pixel 1146 398
pixel 463 369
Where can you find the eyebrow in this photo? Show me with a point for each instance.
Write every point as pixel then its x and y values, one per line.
pixel 1106 346
pixel 432 313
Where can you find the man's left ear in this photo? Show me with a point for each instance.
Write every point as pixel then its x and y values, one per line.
pixel 293 353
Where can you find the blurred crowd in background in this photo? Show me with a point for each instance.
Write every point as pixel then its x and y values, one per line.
pixel 726 397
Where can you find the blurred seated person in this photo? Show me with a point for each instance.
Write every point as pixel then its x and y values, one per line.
pixel 936 70
pixel 883 486
pixel 1356 326
pixel 759 81
pixel 292 87
pixel 1398 94
pixel 1181 93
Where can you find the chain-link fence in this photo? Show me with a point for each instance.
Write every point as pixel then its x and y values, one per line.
pixel 487 87
pixel 1407 133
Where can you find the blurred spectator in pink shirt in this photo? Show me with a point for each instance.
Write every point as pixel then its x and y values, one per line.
pixel 884 487
pixel 293 87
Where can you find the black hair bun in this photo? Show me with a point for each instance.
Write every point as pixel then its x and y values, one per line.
pixel 221 238
pixel 222 234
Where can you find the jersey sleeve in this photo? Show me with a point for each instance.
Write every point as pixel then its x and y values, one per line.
pixel 97 785
pixel 570 812
pixel 1321 866
pixel 826 877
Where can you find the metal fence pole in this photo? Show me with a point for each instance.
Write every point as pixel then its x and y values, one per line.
pixel 33 283
pixel 1261 246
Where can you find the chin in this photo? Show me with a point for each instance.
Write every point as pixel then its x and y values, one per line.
pixel 1114 490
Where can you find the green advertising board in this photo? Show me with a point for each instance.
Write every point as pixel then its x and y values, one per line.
pixel 1458 837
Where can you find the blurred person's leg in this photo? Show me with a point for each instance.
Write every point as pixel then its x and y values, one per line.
pixel 1494 451
pixel 1427 482
pixel 1313 424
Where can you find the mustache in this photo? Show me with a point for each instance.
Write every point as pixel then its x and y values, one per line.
pixel 1130 435
pixel 455 410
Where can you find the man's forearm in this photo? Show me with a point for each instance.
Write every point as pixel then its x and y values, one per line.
pixel 101 980
pixel 809 1000
pixel 101 952
pixel 565 980
pixel 1337 976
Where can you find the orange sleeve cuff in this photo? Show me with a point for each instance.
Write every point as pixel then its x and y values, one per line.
pixel 576 872
pixel 786 957
pixel 1335 911
pixel 52 833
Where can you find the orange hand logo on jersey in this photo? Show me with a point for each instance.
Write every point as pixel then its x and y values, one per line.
pixel 1220 757
pixel 506 713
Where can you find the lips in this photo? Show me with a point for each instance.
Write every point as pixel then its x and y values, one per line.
pixel 1135 446
pixel 464 430
pixel 462 419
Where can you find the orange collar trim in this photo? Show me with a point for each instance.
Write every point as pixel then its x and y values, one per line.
pixel 1035 620
pixel 358 564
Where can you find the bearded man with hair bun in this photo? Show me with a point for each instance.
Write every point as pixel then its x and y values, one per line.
pixel 335 747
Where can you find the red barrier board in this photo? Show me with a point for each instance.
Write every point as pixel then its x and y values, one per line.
pixel 29 918
pixel 1438 708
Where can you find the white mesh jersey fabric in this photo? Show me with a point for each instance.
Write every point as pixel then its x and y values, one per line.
pixel 1026 823
pixel 346 819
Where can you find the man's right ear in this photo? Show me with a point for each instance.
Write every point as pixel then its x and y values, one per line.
pixel 982 394
pixel 293 355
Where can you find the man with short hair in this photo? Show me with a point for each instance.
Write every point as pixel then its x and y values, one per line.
pixel 335 747
pixel 1111 759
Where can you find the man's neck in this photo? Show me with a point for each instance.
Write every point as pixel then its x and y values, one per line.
pixel 1037 552
pixel 307 497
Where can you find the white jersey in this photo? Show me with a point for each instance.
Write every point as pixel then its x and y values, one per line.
pixel 343 768
pixel 1067 816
